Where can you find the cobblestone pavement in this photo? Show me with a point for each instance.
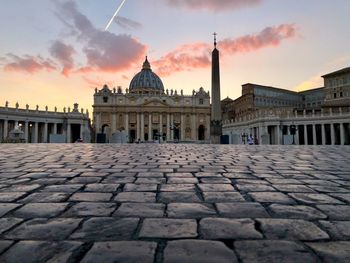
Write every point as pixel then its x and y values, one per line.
pixel 174 203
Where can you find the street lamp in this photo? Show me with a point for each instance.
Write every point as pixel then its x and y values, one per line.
pixel 293 130
pixel 244 137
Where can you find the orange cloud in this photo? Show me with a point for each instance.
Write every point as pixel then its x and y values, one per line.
pixel 212 5
pixel 197 55
pixel 28 64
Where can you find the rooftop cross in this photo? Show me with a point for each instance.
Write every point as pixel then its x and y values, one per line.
pixel 215 34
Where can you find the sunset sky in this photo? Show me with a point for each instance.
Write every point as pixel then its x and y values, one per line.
pixel 55 52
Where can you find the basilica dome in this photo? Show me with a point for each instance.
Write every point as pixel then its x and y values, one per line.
pixel 146 81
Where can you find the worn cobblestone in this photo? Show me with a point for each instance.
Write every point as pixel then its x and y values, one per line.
pixel 174 203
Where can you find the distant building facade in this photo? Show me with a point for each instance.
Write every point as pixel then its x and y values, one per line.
pixel 146 112
pixel 276 116
pixel 43 126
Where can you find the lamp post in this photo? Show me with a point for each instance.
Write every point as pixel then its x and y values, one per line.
pixel 244 137
pixel 293 130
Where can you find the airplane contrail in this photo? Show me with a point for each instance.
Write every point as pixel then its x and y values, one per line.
pixel 115 14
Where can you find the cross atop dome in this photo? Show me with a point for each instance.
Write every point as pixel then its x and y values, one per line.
pixel 146 64
pixel 215 43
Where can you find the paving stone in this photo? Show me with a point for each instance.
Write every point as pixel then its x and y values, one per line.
pixel 224 228
pixel 182 197
pixel 140 188
pixel 331 252
pixel 339 230
pixel 11 197
pixel 40 251
pixel 241 210
pixel 121 251
pixel 90 197
pixel 296 212
pixel 5 244
pixel 102 188
pixel 255 188
pixel 315 198
pixel 190 210
pixel 215 180
pixel 150 181
pixel 45 210
pixel 43 197
pixel 139 197
pixel 106 228
pixel 272 251
pixel 182 180
pixel 23 188
pixel 177 188
pixel 336 212
pixel 221 197
pixel 168 228
pixel 90 209
pixel 216 187
pixel 291 229
pixel 65 188
pixel 44 229
pixel 7 223
pixel 198 251
pixel 7 207
pixel 180 175
pixel 293 188
pixel 85 180
pixel 271 197
pixel 140 210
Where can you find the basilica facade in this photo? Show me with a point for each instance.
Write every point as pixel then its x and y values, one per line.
pixel 147 112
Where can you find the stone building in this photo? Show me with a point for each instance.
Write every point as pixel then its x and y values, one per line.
pixel 276 116
pixel 44 126
pixel 146 112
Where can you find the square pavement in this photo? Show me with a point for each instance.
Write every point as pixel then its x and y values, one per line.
pixel 174 203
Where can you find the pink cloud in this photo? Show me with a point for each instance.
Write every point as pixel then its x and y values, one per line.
pixel 212 5
pixel 104 51
pixel 197 55
pixel 64 54
pixel 28 64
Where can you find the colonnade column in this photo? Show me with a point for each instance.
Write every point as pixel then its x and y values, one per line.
pixel 150 127
pixel 6 129
pixel 323 132
pixel 278 135
pixel 342 137
pixel 314 136
pixel 172 124
pixel 55 128
pixel 160 124
pixel 182 133
pixel 127 125
pixel 82 131
pixel 36 132
pixel 142 127
pixel 69 133
pixel 306 141
pixel 168 127
pixel 332 134
pixel 26 131
pixel 45 132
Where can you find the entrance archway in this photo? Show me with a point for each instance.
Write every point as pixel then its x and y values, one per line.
pixel 201 133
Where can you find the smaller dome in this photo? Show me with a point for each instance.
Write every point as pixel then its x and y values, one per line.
pixel 146 80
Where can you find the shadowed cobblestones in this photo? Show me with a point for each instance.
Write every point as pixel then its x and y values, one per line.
pixel 174 203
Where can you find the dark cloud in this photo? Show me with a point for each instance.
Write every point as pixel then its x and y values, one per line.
pixel 64 54
pixel 127 23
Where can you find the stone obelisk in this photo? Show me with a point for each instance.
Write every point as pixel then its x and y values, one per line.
pixel 216 119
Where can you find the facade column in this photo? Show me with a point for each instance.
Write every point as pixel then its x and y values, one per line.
pixel 36 132
pixel 278 135
pixel 342 137
pixel 127 125
pixel 114 123
pixel 314 136
pixel 296 136
pixel 6 129
pixel 138 126
pixel 26 131
pixel 98 123
pixel 69 133
pixel 168 127
pixel 150 137
pixel 55 128
pixel 306 141
pixel 82 131
pixel 160 125
pixel 172 125
pixel 207 128
pixel 142 127
pixel 182 135
pixel 323 132
pixel 332 134
pixel 45 132
pixel 193 127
